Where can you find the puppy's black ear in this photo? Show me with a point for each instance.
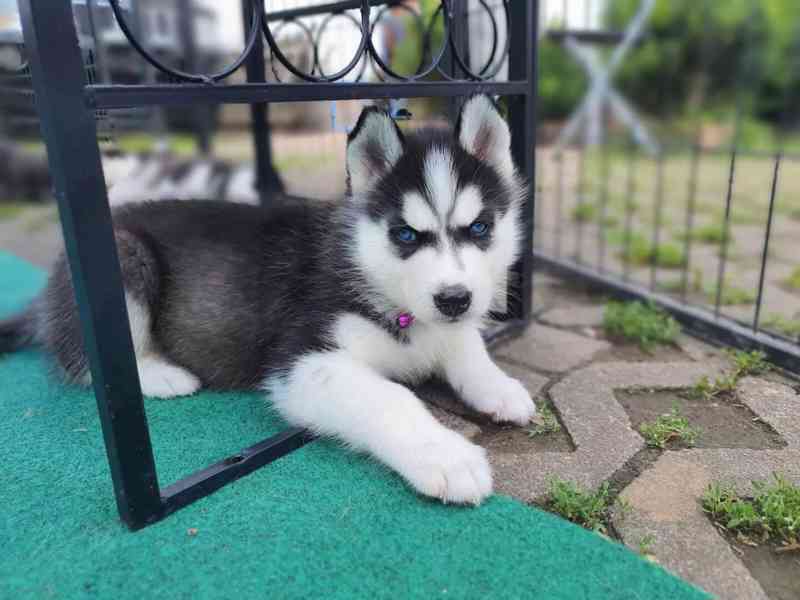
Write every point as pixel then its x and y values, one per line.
pixel 373 148
pixel 482 132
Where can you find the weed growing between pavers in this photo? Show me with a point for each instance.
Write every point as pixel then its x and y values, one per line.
pixel 773 514
pixel 645 324
pixel 744 364
pixel 669 427
pixel 646 547
pixel 591 510
pixel 549 422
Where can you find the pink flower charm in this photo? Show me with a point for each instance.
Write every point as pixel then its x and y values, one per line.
pixel 405 320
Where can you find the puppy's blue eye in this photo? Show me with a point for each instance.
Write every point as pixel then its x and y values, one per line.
pixel 405 234
pixel 479 229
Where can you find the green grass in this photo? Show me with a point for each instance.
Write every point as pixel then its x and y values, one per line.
pixel 732 295
pixel 11 210
pixel 585 508
pixel 788 327
pixel 642 251
pixel 708 234
pixel 183 144
pixel 646 546
pixel 774 512
pixel 708 389
pixel 668 427
pixel 744 364
pixel 645 324
pixel 306 162
pixel 793 281
pixel 675 286
pixel 749 363
pixel 549 422
pixel 588 212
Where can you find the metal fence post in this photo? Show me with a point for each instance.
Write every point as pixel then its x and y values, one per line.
pixel 267 180
pixel 69 130
pixel 201 116
pixel 522 120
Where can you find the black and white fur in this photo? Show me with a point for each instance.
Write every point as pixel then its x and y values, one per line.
pixel 302 302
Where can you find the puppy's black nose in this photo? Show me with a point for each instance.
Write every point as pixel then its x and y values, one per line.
pixel 453 301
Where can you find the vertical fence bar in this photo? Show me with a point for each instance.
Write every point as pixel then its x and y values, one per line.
pixel 201 114
pixel 459 19
pixel 267 180
pixel 537 196
pixel 70 134
pixel 601 225
pixel 629 205
pixel 559 201
pixel 578 214
pixel 690 209
pixel 100 64
pixel 522 118
pixel 767 236
pixel 657 218
pixel 723 254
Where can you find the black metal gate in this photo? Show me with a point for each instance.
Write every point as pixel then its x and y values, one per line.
pixel 67 102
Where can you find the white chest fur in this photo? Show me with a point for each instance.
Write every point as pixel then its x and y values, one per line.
pixel 422 355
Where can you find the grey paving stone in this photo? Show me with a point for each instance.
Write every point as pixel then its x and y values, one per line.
pixel 776 404
pixel 665 505
pixel 575 316
pixel 533 382
pixel 452 421
pixel 552 350
pixel 598 425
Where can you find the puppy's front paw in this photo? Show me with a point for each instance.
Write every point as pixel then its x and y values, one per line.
pixel 449 468
pixel 505 399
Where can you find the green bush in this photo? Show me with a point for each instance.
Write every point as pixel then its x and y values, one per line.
pixel 562 83
pixel 699 48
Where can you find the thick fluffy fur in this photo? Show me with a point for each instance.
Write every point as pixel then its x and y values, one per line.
pixel 303 301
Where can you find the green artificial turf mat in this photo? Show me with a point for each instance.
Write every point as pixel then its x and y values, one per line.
pixel 319 523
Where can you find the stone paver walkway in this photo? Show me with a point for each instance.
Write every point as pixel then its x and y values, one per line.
pixel 563 358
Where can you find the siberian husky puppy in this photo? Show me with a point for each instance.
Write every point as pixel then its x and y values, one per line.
pixel 331 308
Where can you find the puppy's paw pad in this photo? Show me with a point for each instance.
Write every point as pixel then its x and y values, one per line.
pixel 454 471
pixel 163 380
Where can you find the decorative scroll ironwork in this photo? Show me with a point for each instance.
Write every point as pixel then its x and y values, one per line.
pixel 447 61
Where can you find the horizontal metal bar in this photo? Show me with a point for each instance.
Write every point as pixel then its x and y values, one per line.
pixel 699 322
pixel 322 9
pixel 130 96
pixel 213 477
pixel 587 36
pixel 679 148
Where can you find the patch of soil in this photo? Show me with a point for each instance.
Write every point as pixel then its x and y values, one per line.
pixel 778 573
pixel 624 351
pixel 722 424
pixel 501 439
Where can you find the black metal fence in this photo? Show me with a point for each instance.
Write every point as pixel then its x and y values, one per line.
pixel 67 103
pixel 697 210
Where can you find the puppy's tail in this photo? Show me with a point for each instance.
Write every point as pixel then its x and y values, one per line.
pixel 17 332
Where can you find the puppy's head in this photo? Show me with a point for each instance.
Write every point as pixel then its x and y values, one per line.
pixel 435 215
